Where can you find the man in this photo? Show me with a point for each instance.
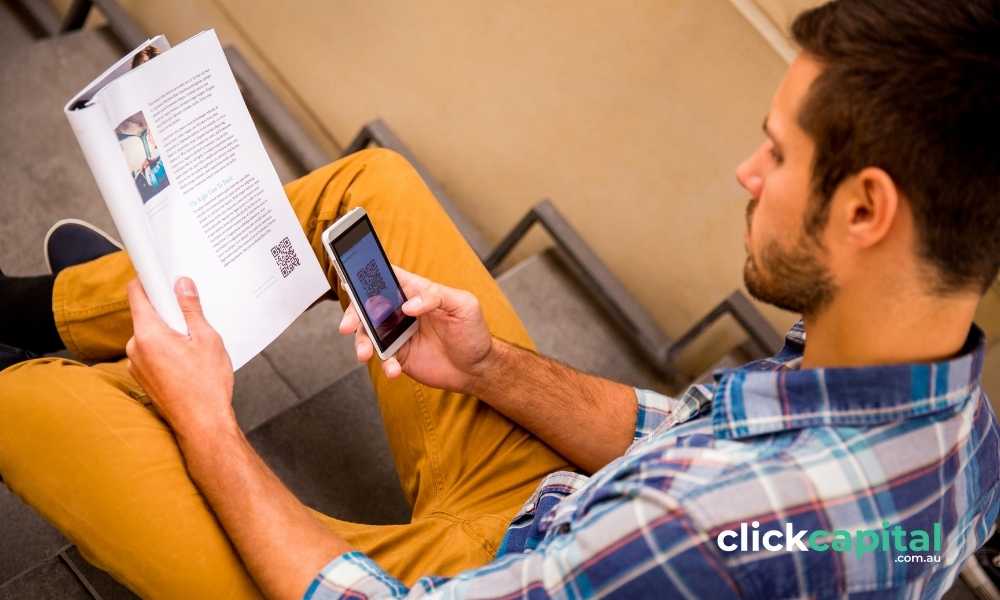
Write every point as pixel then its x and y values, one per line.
pixel 874 214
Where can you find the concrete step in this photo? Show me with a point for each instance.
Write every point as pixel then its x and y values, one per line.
pixel 566 324
pixel 44 174
pixel 27 538
pixel 51 579
pixel 17 29
pixel 65 575
pixel 332 451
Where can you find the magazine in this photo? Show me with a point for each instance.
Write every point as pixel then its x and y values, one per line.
pixel 193 193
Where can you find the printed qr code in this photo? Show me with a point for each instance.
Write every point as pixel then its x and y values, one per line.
pixel 371 279
pixel 285 257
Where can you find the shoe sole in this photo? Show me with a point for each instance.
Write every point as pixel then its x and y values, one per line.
pixel 90 226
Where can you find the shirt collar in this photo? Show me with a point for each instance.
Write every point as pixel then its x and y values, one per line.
pixel 774 394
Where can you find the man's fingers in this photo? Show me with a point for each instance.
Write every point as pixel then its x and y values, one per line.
pixel 391 368
pixel 436 296
pixel 144 317
pixel 363 346
pixel 425 295
pixel 351 324
pixel 411 283
pixel 350 321
pixel 190 303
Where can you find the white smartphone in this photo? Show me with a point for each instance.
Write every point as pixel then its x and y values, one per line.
pixel 366 275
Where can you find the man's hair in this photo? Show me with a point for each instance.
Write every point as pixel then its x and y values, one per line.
pixel 913 87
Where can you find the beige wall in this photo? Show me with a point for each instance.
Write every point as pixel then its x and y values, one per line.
pixel 991 376
pixel 783 12
pixel 630 115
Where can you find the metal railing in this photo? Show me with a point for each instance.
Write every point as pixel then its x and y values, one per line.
pixel 635 322
pixel 125 30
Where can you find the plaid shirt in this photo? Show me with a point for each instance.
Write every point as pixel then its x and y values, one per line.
pixel 834 448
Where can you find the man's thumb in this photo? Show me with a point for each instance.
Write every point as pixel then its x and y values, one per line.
pixel 190 303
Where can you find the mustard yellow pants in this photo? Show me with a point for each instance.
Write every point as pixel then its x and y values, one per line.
pixel 82 446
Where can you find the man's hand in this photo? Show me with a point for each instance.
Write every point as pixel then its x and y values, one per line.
pixel 452 345
pixel 188 377
pixel 587 419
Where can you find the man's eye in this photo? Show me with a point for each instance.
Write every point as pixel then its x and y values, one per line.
pixel 776 156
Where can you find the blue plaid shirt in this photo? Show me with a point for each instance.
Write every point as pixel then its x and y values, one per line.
pixel 829 449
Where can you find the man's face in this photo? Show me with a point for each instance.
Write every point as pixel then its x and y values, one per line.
pixel 785 266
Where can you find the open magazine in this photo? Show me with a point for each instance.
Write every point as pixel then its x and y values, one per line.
pixel 192 191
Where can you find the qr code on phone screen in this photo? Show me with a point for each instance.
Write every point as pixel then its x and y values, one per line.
pixel 285 257
pixel 371 279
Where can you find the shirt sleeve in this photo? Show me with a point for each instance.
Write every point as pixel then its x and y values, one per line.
pixel 657 410
pixel 637 545
pixel 654 408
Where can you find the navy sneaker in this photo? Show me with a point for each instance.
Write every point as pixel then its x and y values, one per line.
pixel 72 241
pixel 11 355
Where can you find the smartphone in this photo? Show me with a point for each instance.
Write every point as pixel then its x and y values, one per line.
pixel 369 280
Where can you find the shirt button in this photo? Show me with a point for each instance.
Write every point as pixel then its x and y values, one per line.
pixel 564 528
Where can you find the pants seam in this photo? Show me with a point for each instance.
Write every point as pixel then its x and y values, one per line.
pixel 466 524
pixel 430 440
pixel 83 313
pixel 61 317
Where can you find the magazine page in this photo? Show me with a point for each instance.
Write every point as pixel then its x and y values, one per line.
pixel 103 154
pixel 215 208
pixel 104 157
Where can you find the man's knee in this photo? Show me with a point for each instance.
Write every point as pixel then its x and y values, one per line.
pixel 369 177
pixel 27 378
pixel 36 389
pixel 24 393
pixel 387 175
pixel 382 160
pixel 389 182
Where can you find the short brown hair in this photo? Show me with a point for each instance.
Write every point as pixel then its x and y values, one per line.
pixel 913 87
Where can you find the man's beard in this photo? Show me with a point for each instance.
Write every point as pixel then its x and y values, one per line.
pixel 794 280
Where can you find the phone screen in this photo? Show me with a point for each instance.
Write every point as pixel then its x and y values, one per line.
pixel 375 286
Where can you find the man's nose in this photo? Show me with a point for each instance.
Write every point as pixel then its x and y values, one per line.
pixel 749 176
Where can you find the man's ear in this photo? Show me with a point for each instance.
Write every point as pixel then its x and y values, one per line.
pixel 869 207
